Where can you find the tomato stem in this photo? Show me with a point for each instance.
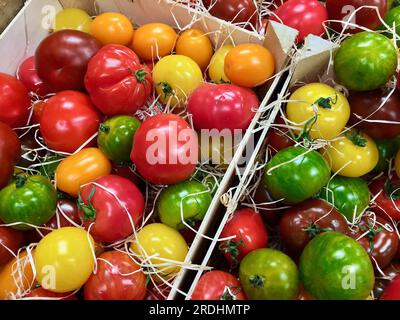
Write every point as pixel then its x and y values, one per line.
pixel 313 230
pixel 257 281
pixel 20 181
pixel 141 75
pixel 88 210
pixel 357 138
pixel 326 103
pixel 104 128
pixel 166 89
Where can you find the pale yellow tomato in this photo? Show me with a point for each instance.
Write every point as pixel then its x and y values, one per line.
pixel 216 70
pixel 73 19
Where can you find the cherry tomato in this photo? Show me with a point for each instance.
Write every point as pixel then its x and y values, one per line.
pixel 112 28
pixel 43 294
pixel 10 153
pixel 216 69
pixel 10 240
pixel 73 19
pixel 392 291
pixel 387 200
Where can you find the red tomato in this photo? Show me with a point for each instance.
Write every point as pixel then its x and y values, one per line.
pixel 165 149
pixel 117 82
pixel 14 101
pixel 279 138
pixel 218 285
pixel 392 291
pixel 222 106
pixel 68 120
pixel 387 203
pixel 27 74
pixel 65 208
pixel 43 294
pixel 306 16
pixel 122 280
pixel 268 208
pixel 105 207
pixel 62 59
pixel 250 234
pixel 10 153
pixel 9 239
pixel 126 172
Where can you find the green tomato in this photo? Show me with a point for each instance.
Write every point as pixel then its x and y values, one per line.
pixel 29 199
pixel 189 198
pixel 387 151
pixel 116 137
pixel 393 19
pixel 268 274
pixel 295 174
pixel 350 196
pixel 365 61
pixel 334 266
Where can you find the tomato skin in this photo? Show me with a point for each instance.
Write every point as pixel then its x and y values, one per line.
pixel 73 18
pixel 112 28
pixel 385 207
pixel 387 149
pixel 397 163
pixel 216 69
pixel 10 153
pixel 14 101
pixel 278 137
pixel 43 294
pixel 218 285
pixel 117 82
pixel 268 209
pixel 100 210
pixel 222 106
pixel 11 239
pixel 322 263
pixel 392 291
pixel 54 61
pixel 68 120
pixel 122 281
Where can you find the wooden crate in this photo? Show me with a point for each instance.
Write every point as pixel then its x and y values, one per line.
pixel 8 10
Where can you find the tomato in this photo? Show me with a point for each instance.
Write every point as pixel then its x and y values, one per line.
pixel 304 221
pixel 216 69
pixel 222 106
pixel 386 198
pixel 111 207
pixel 266 206
pixel 14 101
pixel 318 110
pixel 78 169
pixel 350 196
pixel 397 163
pixel 392 19
pixel 165 149
pixel 364 17
pixel 268 274
pixel 157 238
pixel 28 200
pixel 387 150
pixel 249 233
pixel 117 82
pixel 64 259
pixel 127 172
pixel 115 137
pixel 296 174
pixel 10 240
pixel 249 65
pixel 306 16
pixel 303 295
pixel 188 200
pixel 73 19
pixel 353 154
pixel 68 120
pixel 365 61
pixel 218 285
pixel 279 137
pixel 392 291
pixel 154 40
pixel 10 153
pixel 175 78
pixel 112 28
pixel 333 266
pixel 118 277
pixel 43 294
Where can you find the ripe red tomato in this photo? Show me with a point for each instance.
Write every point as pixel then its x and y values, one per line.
pixel 117 82
pixel 387 200
pixel 9 239
pixel 68 120
pixel 165 149
pixel 62 59
pixel 392 291
pixel 250 234
pixel 67 211
pixel 218 285
pixel 43 294
pixel 105 204
pixel 306 16
pixel 10 153
pixel 122 280
pixel 14 101
pixel 278 137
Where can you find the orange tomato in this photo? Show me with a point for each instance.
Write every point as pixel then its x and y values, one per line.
pixel 249 65
pixel 81 168
pixel 194 44
pixel 154 40
pixel 112 28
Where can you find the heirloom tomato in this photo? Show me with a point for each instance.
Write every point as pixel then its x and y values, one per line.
pixel 216 69
pixel 269 209
pixel 279 137
pixel 43 294
pixel 73 19
pixel 10 241
pixel 392 19
pixel 392 291
pixel 386 195
pixel 112 28
pixel 387 149
pixel 66 216
pixel 10 153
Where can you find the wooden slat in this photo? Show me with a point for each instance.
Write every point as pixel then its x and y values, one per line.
pixel 8 10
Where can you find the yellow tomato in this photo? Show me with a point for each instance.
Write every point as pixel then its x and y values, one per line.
pixel 217 65
pixel 64 260
pixel 175 78
pixel 112 27
pixel 166 242
pixel 319 108
pixel 194 44
pixel 78 169
pixel 73 19
pixel 353 154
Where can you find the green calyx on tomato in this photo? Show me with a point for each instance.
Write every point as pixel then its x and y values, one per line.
pixel 327 102
pixel 356 137
pixel 232 248
pixel 257 281
pixel 166 89
pixel 313 230
pixel 89 211
pixel 387 149
pixel 141 75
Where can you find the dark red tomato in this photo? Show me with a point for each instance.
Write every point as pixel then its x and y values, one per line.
pixel 160 292
pixel 37 111
pixel 117 82
pixel 122 280
pixel 67 212
pixel 10 239
pixel 165 149
pixel 365 17
pixel 367 105
pixel 42 294
pixel 387 201
pixel 126 172
pixel 301 223
pixel 68 120
pixel 10 153
pixel 14 101
pixel 62 59
pixel 103 207
pixel 267 207
pixel 381 283
pixel 222 106
pixel 306 16
pixel 392 291
pixel 189 234
pixel 279 137
pixel 27 74
pixel 218 285
pixel 250 234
